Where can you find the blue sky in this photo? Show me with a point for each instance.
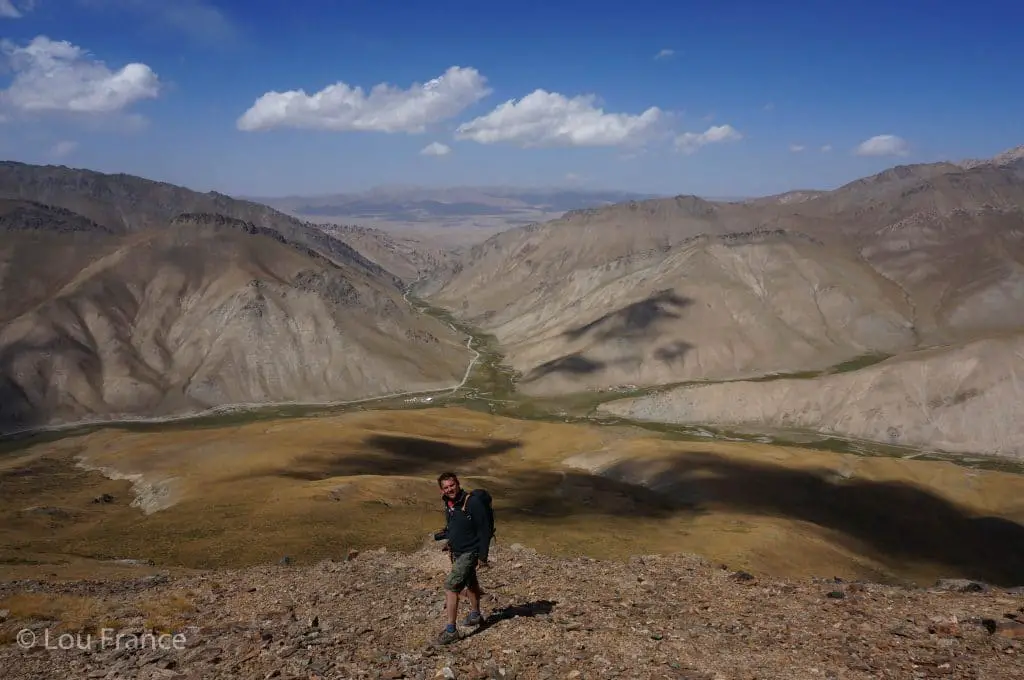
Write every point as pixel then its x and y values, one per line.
pixel 737 89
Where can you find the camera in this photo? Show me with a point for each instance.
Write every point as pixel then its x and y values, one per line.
pixel 441 535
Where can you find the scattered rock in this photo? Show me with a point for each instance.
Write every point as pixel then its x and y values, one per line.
pixel 548 618
pixel 960 585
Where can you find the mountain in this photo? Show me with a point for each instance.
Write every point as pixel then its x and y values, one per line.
pixel 423 204
pixel 122 297
pixel 407 257
pixel 126 203
pixel 679 290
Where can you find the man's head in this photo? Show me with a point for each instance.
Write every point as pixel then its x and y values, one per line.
pixel 449 484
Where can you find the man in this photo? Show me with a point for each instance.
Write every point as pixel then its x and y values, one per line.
pixel 468 531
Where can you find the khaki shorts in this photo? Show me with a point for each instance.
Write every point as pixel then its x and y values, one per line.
pixel 463 573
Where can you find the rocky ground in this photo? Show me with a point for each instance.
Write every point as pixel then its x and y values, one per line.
pixel 376 615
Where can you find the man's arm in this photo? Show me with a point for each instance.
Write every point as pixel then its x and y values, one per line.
pixel 482 526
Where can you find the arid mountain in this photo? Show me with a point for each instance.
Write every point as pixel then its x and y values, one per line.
pixel 127 203
pixel 714 307
pixel 136 316
pixel 405 256
pixel 962 399
pixel 674 290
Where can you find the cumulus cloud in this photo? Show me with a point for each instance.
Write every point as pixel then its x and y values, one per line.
pixel 436 149
pixel 883 145
pixel 550 119
pixel 664 54
pixel 689 142
pixel 386 108
pixel 826 148
pixel 56 76
pixel 796 148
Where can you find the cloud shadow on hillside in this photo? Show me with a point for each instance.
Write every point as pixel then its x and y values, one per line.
pixel 387 454
pixel 637 321
pixel 895 521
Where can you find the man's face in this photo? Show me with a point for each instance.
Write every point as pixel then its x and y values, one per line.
pixel 450 488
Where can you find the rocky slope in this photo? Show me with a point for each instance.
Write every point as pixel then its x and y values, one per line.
pixel 206 311
pixel 672 290
pixel 127 203
pixel 407 257
pixel 963 399
pixel 376 614
pixel 710 308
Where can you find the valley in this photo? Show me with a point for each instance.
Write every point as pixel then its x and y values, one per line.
pixel 220 394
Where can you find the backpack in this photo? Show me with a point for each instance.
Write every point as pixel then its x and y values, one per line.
pixel 484 496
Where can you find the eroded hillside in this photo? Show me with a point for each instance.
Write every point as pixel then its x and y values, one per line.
pixel 681 290
pixel 206 311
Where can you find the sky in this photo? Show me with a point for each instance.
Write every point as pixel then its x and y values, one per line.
pixel 717 99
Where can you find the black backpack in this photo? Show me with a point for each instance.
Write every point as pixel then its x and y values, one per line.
pixel 484 496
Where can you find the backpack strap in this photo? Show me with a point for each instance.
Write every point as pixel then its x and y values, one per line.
pixel 465 500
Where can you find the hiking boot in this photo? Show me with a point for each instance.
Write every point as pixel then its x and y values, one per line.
pixel 473 619
pixel 447 637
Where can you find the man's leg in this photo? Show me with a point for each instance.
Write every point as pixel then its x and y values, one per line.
pixel 474 592
pixel 453 585
pixel 451 607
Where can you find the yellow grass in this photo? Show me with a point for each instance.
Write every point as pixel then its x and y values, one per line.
pixel 313 488
pixel 69 613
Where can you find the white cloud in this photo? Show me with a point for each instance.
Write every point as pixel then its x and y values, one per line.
pixel 62 149
pixel 796 148
pixel 883 145
pixel 550 119
pixel 689 142
pixel 343 108
pixel 56 76
pixel 826 148
pixel 664 54
pixel 15 10
pixel 436 149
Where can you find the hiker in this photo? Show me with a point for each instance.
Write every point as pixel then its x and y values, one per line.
pixel 468 528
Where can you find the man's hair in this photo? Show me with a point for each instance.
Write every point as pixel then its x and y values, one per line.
pixel 446 475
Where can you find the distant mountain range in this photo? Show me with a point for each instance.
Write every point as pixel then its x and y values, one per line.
pixel 422 204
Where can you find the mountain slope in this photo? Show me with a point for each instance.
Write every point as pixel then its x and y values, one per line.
pixel 962 399
pixel 672 290
pixel 708 308
pixel 406 257
pixel 127 203
pixel 206 310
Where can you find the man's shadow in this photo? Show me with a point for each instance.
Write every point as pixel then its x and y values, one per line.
pixel 535 608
